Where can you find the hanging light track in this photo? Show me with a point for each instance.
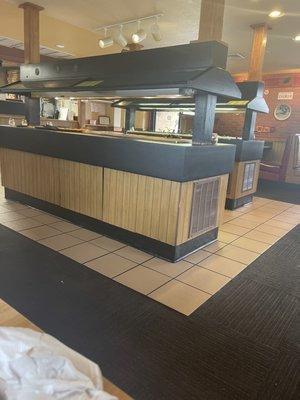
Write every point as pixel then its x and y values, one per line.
pixel 132 21
pixel 136 37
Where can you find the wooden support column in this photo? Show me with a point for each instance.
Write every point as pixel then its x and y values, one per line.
pixel 260 32
pixel 32 54
pixel 205 105
pixel 31 32
pixel 211 20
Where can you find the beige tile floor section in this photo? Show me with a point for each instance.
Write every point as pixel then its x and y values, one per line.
pixel 245 234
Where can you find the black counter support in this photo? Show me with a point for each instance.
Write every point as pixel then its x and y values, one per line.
pixel 129 119
pixel 249 125
pixel 32 110
pixel 152 121
pixel 205 105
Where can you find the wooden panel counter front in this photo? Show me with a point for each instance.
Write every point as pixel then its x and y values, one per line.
pixel 156 208
pixel 167 217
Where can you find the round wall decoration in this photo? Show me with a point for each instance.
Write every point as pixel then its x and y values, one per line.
pixel 282 112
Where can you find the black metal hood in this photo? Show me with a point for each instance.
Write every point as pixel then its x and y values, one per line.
pixel 252 99
pixel 170 71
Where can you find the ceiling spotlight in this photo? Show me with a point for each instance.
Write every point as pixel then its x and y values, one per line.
pixel 139 35
pixel 120 38
pixel 276 14
pixel 106 42
pixel 156 32
pixel 60 46
pixel 297 38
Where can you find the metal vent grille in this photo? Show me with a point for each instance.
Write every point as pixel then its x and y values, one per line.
pixel 204 206
pixel 248 179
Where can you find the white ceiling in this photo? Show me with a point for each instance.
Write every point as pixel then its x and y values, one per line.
pixel 181 21
pixel 46 51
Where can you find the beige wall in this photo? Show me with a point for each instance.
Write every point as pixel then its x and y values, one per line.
pixel 79 42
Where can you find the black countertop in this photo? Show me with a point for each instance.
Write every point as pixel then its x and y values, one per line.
pixel 246 150
pixel 173 161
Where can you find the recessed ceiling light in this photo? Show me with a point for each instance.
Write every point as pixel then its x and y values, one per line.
pixel 60 46
pixel 297 38
pixel 276 14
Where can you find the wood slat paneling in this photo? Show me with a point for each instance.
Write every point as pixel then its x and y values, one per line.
pixel 31 174
pixel 81 188
pixel 71 185
pixel 141 204
pixel 236 180
pixel 153 207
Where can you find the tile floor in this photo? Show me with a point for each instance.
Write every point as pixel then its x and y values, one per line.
pixel 184 286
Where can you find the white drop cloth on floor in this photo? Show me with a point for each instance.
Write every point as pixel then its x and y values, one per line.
pixel 35 366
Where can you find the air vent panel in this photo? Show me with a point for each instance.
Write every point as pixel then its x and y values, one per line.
pixel 248 178
pixel 204 206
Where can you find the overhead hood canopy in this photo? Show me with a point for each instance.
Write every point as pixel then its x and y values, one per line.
pixel 170 71
pixel 252 99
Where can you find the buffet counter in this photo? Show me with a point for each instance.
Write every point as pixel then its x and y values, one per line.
pixel 244 177
pixel 165 197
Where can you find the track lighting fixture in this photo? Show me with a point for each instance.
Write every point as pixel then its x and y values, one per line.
pixel 120 38
pixel 106 41
pixel 139 35
pixel 155 31
pixel 136 37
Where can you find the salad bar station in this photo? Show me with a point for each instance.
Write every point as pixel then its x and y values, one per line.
pixel 163 195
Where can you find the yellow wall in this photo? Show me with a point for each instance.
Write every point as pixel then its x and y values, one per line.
pixel 79 42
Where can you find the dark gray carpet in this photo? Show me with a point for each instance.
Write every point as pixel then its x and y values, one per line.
pixel 278 191
pixel 242 344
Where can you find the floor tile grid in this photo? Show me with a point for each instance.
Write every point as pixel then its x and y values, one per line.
pixel 263 204
pixel 239 214
pixel 83 241
pixel 113 252
pixel 279 213
pixel 232 243
pixel 255 228
pixel 249 230
pixel 133 267
pixel 219 273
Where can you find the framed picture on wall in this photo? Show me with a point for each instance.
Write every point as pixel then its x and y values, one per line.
pixel 104 120
pixel 282 112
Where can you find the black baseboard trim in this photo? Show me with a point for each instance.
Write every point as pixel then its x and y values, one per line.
pixel 232 204
pixel 141 242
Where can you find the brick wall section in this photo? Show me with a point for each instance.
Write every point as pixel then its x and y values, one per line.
pixel 232 124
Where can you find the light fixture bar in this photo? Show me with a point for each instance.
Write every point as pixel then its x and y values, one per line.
pixel 132 21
